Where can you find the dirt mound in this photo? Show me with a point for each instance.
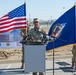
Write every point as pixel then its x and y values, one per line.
pixel 6 53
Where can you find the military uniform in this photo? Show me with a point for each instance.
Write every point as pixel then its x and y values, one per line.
pixel 74 56
pixel 23 32
pixel 36 35
pixel 23 35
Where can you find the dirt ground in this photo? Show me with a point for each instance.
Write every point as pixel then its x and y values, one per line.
pixel 16 53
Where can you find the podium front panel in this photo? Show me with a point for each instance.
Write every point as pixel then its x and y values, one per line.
pixel 34 57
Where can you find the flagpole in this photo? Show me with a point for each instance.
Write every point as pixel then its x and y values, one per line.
pixel 25 14
pixel 75 21
pixel 26 33
pixel 53 58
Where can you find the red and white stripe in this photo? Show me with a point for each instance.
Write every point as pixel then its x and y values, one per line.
pixel 7 24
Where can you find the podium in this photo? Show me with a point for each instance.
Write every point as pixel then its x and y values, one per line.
pixel 34 58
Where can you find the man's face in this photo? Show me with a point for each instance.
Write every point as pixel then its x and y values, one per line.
pixel 36 24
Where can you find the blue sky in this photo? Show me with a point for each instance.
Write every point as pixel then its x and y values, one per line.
pixel 43 9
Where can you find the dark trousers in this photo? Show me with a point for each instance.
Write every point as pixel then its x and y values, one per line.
pixel 22 57
pixel 40 73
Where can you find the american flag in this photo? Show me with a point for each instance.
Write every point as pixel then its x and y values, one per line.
pixel 16 19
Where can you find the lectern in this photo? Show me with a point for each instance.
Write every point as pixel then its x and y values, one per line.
pixel 34 57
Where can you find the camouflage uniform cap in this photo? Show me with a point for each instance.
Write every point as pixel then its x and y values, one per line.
pixel 35 19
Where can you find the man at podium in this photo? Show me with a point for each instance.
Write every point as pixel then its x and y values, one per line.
pixel 36 36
